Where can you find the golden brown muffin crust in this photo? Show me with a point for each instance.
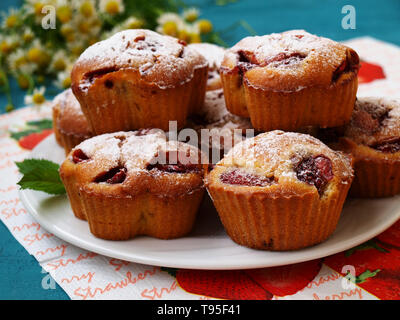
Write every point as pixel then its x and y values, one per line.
pixel 159 59
pixel 70 118
pixel 272 156
pixel 124 164
pixel 291 61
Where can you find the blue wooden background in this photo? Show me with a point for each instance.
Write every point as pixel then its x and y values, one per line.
pixel 20 274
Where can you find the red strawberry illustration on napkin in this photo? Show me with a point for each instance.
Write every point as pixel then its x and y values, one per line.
pixel 376 262
pixel 253 284
pixel 370 72
pixel 33 134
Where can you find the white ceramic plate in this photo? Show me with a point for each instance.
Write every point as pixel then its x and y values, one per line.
pixel 207 246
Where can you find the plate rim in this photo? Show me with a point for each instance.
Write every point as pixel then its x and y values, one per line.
pixel 96 248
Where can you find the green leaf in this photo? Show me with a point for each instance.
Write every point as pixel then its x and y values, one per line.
pixel 371 244
pixel 41 124
pixel 40 175
pixel 19 135
pixel 362 277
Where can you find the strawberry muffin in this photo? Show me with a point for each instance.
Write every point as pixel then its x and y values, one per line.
pixel 214 55
pixel 290 80
pixel 218 129
pixel 69 122
pixel 138 79
pixel 127 184
pixel 373 139
pixel 280 190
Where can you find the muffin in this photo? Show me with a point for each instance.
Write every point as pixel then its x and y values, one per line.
pixel 217 129
pixel 214 55
pixel 280 190
pixel 373 139
pixel 135 183
pixel 138 79
pixel 290 80
pixel 69 123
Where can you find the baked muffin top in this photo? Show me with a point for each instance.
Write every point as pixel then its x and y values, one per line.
pixel 127 163
pixel 70 117
pixel 162 60
pixel 214 114
pixel 290 61
pixel 376 123
pixel 286 163
pixel 214 55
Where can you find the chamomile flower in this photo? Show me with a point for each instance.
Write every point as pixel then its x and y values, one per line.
pixel 59 61
pixel 37 97
pixel 132 23
pixel 87 8
pixel 38 54
pixel 191 14
pixel 28 35
pixel 63 80
pixel 64 11
pixel 111 7
pixel 34 7
pixel 169 23
pixel 204 25
pixel 12 19
pixel 17 59
pixel 8 44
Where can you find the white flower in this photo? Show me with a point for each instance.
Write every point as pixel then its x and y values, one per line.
pixel 28 35
pixel 170 23
pixel 11 19
pixel 17 62
pixel 63 80
pixel 36 98
pixel 169 17
pixel 60 61
pixel 111 7
pixel 191 14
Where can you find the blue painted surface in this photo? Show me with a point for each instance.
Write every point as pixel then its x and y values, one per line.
pixel 20 274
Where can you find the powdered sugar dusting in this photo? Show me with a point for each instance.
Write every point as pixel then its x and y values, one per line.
pixel 157 57
pixel 215 114
pixel 136 150
pixel 214 54
pixel 273 153
pixel 374 119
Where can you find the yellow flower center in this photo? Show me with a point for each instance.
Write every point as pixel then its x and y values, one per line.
pixel 20 61
pixel 11 21
pixel 77 50
pixel 92 41
pixel 84 27
pixel 86 9
pixel 27 37
pixel 5 47
pixel 64 14
pixel 23 82
pixel 66 83
pixel 66 30
pixel 59 64
pixel 34 55
pixel 184 35
pixel 135 24
pixel 112 7
pixel 205 26
pixel 170 28
pixel 191 16
pixel 195 38
pixel 38 98
pixel 37 7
